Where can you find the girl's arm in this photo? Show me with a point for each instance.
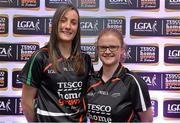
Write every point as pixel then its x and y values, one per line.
pixel 28 95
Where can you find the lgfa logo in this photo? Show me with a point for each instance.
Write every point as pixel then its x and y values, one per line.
pixel 19 106
pixel 174 53
pixel 173 108
pixel 146 26
pixel 50 25
pixel 89 25
pixel 29 24
pixel 5 105
pixel 150 80
pixel 127 54
pixel 6 52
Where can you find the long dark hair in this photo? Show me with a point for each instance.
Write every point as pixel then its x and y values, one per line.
pixel 54 52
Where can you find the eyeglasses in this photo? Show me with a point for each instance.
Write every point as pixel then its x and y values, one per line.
pixel 112 48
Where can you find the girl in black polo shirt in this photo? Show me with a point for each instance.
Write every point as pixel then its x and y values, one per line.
pixel 55 77
pixel 116 94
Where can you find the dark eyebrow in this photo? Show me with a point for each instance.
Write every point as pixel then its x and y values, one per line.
pixel 64 17
pixel 74 20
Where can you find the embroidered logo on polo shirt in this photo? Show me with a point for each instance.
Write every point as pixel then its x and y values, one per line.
pixel 103 92
pixel 115 95
pixel 51 71
pixel 91 94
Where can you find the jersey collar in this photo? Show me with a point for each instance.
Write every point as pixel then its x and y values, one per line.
pixel 119 72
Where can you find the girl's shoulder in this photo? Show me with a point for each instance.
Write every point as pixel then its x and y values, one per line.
pixel 40 54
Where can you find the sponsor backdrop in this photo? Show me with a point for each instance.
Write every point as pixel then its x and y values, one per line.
pixel 151 30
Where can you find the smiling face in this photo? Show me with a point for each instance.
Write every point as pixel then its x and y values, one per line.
pixel 68 26
pixel 109 49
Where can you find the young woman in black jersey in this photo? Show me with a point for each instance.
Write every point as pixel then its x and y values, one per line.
pixel 116 94
pixel 55 77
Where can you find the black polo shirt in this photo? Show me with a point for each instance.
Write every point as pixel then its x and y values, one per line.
pixel 60 96
pixel 119 99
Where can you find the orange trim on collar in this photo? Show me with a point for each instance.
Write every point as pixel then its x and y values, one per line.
pixel 94 85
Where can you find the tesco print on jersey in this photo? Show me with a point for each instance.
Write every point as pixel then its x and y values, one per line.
pixel 103 111
pixel 69 92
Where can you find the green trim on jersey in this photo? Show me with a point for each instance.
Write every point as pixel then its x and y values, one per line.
pixel 30 70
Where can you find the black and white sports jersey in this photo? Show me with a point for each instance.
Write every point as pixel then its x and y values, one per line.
pixel 119 99
pixel 60 95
